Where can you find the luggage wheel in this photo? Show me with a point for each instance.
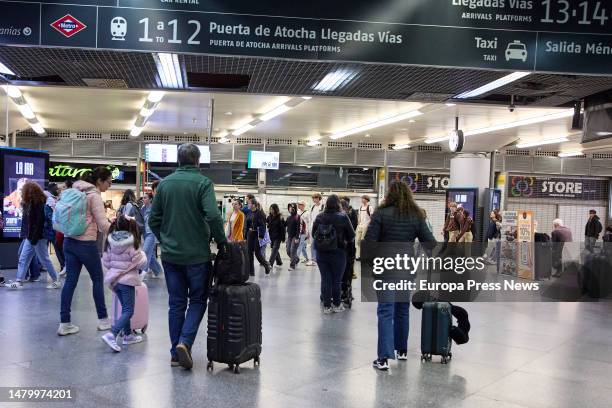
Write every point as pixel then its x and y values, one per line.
pixel 236 369
pixel 210 366
pixel 445 359
pixel 256 361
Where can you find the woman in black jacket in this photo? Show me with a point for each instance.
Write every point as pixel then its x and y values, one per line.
pixel 32 228
pixel 276 230
pixel 255 229
pixel 397 219
pixel 331 256
pixel 293 235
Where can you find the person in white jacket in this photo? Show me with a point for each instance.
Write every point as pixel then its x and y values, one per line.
pixel 365 213
pixel 316 209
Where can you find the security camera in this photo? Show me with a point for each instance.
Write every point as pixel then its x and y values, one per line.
pixel 512 107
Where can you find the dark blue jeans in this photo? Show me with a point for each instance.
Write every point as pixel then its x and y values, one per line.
pixel 187 296
pixel 33 272
pixel 331 265
pixel 79 254
pixel 393 326
pixel 126 296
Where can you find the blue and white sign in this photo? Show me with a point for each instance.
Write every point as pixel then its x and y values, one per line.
pixel 263 160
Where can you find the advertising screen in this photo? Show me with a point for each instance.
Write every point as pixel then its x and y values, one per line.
pixel 263 160
pixel 464 197
pixel 204 154
pixel 18 167
pixel 161 153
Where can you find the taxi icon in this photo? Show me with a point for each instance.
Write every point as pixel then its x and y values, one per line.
pixel 516 50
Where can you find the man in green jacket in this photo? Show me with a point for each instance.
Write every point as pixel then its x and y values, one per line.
pixel 183 218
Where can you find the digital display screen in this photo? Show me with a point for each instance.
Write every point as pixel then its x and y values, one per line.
pixel 204 154
pixel 18 169
pixel 168 153
pixel 465 198
pixel 263 160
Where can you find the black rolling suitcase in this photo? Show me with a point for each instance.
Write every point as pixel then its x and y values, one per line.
pixel 543 256
pixel 594 276
pixel 436 325
pixel 234 325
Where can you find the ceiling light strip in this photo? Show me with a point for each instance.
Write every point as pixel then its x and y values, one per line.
pixel 272 113
pixel 147 110
pixel 525 144
pixel 22 105
pixel 571 153
pixel 169 70
pixel 377 123
pixel 498 83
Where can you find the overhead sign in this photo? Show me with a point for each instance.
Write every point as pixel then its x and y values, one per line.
pixel 263 160
pixel 422 183
pixel 161 153
pixel 556 187
pixel 496 34
pixel 59 172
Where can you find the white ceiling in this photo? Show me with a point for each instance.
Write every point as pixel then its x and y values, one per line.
pixel 113 110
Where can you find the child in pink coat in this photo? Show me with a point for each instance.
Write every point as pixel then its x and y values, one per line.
pixel 122 260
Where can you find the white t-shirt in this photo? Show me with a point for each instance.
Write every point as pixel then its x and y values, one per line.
pixel 315 210
pixel 364 217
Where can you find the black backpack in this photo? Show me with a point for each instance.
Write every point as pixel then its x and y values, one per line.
pixel 233 270
pixel 326 238
pixel 137 214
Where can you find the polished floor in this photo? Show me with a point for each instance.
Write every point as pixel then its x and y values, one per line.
pixel 519 355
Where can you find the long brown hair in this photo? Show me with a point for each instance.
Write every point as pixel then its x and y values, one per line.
pixel 400 196
pixel 32 194
pixel 122 223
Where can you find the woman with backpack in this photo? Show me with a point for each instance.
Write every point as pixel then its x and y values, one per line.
pixel 35 224
pixel 276 229
pixel 293 236
pixel 332 230
pixel 131 209
pixel 397 219
pixel 82 250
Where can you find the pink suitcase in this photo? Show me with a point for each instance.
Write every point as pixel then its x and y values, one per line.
pixel 140 320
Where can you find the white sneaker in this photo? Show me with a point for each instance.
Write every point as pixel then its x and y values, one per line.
pixel 54 285
pixel 328 310
pixel 63 272
pixel 338 309
pixel 291 268
pixel 104 324
pixel 66 329
pixel 131 339
pixel 310 263
pixel 15 285
pixel 111 341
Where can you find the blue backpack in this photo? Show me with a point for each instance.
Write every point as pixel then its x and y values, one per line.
pixel 70 215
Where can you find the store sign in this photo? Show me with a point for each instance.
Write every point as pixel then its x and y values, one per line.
pixel 61 171
pixel 422 183
pixel 553 187
pixel 492 34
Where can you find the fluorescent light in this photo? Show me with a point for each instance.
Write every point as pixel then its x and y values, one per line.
pixel 242 129
pixel 334 80
pixel 509 125
pixel 541 142
pixel 13 91
pixel 450 104
pixel 571 154
pixel 306 97
pixel 136 131
pixel 155 96
pixel 604 133
pixel 37 127
pixel 224 140
pixel 401 146
pixel 377 123
pixel 169 70
pixel 492 85
pixel 5 70
pixel 313 143
pixel 144 112
pixel 26 111
pixel 279 110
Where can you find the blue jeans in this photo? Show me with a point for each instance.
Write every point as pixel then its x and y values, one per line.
pixel 34 267
pixel 126 296
pixel 79 254
pixel 393 326
pixel 26 258
pixel 331 265
pixel 149 249
pixel 313 251
pixel 302 247
pixel 187 285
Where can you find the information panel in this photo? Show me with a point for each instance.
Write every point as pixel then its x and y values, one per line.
pixel 263 160
pixel 543 35
pixel 161 153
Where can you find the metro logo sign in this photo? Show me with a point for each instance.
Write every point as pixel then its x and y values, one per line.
pixel 68 25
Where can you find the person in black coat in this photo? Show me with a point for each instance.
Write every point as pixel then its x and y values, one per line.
pixel 332 262
pixel 255 229
pixel 397 219
pixel 351 250
pixel 32 231
pixel 592 230
pixel 293 225
pixel 276 230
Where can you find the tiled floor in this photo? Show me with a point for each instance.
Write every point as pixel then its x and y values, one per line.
pixel 519 355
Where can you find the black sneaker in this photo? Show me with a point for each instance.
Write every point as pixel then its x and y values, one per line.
pixel 401 354
pixel 2 281
pixel 382 365
pixel 184 356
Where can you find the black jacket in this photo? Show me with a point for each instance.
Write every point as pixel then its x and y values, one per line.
pixel 493 232
pixel 344 230
pixel 293 224
pixel 353 215
pixel 388 226
pixel 276 228
pixel 255 221
pixel 33 222
pixel 593 227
